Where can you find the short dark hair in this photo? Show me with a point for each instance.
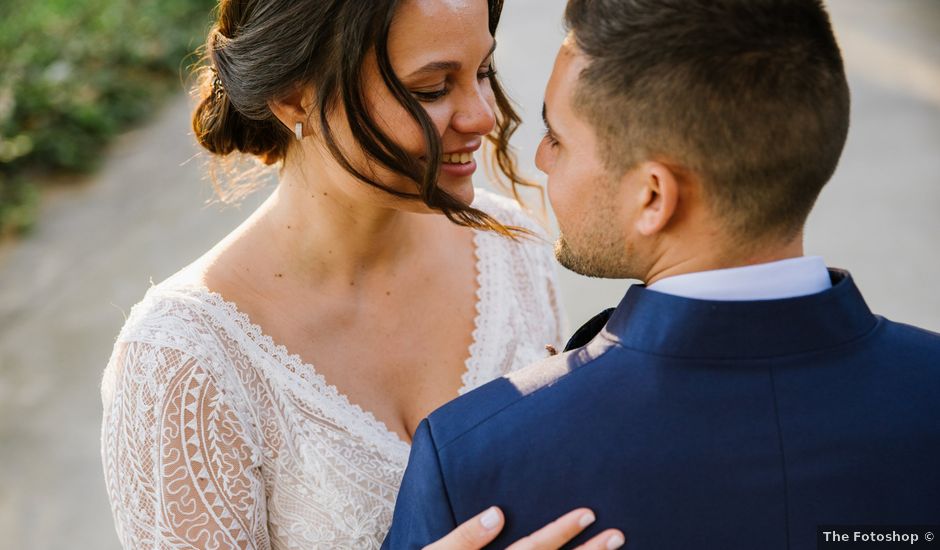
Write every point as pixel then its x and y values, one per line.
pixel 749 95
pixel 259 50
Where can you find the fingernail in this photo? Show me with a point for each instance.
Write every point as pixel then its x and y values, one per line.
pixel 490 519
pixel 615 541
pixel 587 519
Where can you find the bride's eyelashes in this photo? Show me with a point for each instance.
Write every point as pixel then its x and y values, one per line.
pixel 431 96
pixel 428 97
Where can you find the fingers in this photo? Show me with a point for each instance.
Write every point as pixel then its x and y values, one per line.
pixel 474 533
pixel 608 540
pixel 480 530
pixel 557 533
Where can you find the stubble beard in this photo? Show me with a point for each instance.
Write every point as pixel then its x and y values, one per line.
pixel 597 254
pixel 595 245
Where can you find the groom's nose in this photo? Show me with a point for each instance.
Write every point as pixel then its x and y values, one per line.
pixel 543 160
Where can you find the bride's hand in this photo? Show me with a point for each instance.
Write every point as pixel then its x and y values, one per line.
pixel 479 531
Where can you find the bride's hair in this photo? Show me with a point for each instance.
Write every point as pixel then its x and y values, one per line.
pixel 259 51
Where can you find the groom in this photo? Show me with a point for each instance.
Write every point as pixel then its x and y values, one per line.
pixel 745 397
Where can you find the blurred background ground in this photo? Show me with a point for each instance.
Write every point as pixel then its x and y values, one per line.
pixel 101 239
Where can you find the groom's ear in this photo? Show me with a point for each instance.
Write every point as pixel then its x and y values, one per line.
pixel 656 188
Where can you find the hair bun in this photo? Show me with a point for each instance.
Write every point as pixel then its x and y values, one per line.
pixel 221 129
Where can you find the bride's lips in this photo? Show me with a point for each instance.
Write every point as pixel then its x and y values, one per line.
pixel 460 163
pixel 459 170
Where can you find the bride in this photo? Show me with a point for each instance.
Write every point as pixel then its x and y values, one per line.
pixel 265 395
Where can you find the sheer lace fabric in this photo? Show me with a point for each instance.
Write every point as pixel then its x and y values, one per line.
pixel 216 437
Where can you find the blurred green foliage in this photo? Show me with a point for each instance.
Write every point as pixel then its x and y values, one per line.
pixel 74 73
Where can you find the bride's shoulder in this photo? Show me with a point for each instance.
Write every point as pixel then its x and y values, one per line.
pixel 173 312
pixel 174 331
pixel 508 211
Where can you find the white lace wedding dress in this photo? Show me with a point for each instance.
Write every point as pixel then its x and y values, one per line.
pixel 214 436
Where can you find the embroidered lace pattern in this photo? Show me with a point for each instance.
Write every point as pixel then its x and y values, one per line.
pixel 215 437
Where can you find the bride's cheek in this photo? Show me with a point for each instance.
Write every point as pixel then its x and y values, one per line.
pixel 403 129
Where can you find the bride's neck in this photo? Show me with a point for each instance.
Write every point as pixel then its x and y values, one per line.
pixel 318 231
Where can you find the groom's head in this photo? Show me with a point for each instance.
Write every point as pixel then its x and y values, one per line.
pixel 684 127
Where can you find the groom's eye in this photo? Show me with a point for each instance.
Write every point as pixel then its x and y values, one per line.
pixel 550 138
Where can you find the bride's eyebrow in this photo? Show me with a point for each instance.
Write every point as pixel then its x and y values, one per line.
pixel 445 66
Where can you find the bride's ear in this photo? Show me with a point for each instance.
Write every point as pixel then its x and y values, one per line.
pixel 294 107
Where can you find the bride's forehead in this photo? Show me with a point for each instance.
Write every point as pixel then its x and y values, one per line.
pixel 444 8
pixel 429 30
pixel 441 17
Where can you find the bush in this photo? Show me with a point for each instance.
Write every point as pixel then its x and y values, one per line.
pixel 74 73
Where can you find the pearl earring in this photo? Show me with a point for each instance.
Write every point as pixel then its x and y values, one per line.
pixel 299 130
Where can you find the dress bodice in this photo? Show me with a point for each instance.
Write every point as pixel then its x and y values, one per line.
pixel 214 436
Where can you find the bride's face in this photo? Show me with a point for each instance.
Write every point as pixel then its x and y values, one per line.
pixel 441 50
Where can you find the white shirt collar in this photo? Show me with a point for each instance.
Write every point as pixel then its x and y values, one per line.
pixel 771 281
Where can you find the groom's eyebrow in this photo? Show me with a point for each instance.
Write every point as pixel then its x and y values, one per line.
pixel 548 125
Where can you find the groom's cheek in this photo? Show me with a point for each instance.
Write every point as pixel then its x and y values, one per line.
pixel 559 193
pixel 568 196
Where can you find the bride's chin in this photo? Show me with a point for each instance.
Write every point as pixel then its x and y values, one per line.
pixel 461 190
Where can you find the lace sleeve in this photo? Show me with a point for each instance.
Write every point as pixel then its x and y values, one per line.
pixel 561 326
pixel 181 471
pixel 535 271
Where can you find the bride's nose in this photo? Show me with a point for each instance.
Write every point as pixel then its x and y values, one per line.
pixel 474 114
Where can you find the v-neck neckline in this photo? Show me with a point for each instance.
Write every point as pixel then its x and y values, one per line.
pixel 350 415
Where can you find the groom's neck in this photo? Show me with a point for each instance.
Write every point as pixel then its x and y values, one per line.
pixel 679 259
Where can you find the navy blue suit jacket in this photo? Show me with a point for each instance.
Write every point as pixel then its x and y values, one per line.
pixel 696 424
